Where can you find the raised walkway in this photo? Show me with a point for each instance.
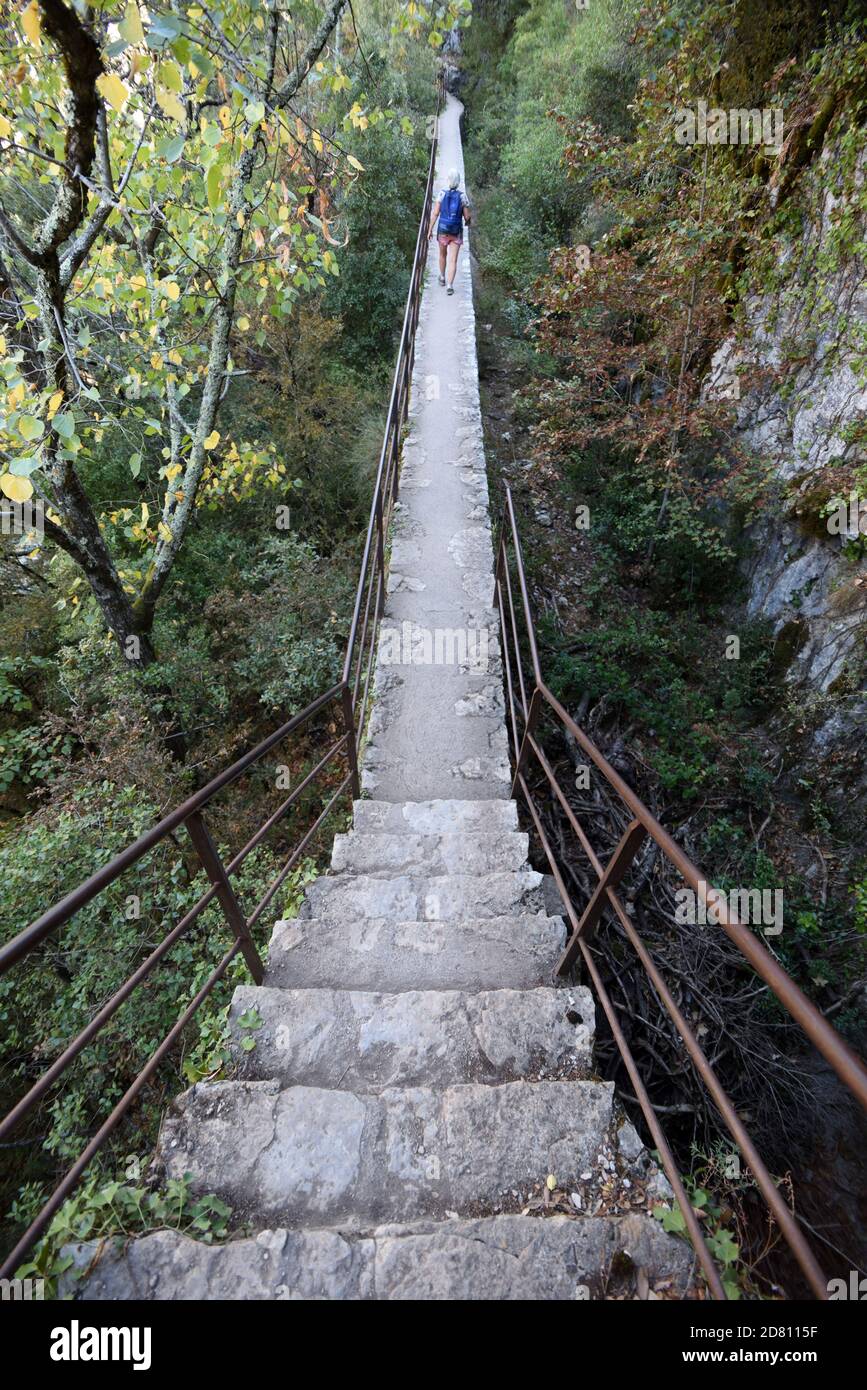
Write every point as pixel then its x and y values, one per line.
pixel 417 1079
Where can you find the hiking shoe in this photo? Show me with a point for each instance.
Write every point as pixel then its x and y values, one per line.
pixel 450 290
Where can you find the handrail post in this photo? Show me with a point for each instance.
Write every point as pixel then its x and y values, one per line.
pixel 380 548
pixel 617 866
pixel 351 749
pixel 213 866
pixel 529 730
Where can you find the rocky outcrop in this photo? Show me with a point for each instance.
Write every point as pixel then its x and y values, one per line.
pixel 798 363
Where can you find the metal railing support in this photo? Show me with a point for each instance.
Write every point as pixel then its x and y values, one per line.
pixel 618 865
pixel 351 747
pixel 212 864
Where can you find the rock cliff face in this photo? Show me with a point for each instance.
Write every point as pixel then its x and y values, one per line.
pixel 451 55
pixel 799 364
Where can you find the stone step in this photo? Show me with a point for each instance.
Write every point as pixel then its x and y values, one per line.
pixel 405 898
pixel 435 817
pixel 368 1042
pixel 517 952
pixel 386 854
pixel 310 1156
pixel 491 1258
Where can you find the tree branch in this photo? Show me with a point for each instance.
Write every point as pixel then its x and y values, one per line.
pixel 286 92
pixel 82 63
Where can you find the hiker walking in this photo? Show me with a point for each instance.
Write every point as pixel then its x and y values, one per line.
pixel 453 210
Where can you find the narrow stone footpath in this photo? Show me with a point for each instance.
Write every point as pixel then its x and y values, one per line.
pixel 417 1077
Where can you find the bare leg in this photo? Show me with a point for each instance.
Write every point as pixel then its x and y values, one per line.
pixel 442 262
pixel 453 250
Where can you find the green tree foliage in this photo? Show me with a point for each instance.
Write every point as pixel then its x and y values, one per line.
pixel 162 177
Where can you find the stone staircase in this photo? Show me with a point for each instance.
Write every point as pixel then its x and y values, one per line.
pixel 415 1081
pixel 418 1117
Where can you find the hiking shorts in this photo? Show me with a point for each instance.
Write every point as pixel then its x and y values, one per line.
pixel 449 239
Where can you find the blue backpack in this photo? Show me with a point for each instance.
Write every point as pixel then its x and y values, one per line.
pixel 451 208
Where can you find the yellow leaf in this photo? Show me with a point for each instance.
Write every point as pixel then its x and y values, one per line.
pixel 54 404
pixel 354 162
pixel 156 361
pixel 114 91
pixel 172 290
pixel 165 533
pixel 550 1182
pixel 212 440
pixel 130 27
pixel 16 489
pixel 243 323
pixel 170 76
pixel 317 141
pixel 171 104
pixel 32 24
pixel 5 128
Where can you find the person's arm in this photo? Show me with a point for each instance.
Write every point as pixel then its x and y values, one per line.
pixel 468 216
pixel 434 217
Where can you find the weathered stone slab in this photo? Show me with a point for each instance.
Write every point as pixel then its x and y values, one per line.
pixel 435 817
pixel 310 1156
pixel 367 1042
pixel 511 952
pixel 442 897
pixel 387 854
pixel 492 1258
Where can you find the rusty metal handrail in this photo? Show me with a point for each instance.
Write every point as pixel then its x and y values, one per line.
pixel 353 702
pixel 371 581
pixel 526 712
